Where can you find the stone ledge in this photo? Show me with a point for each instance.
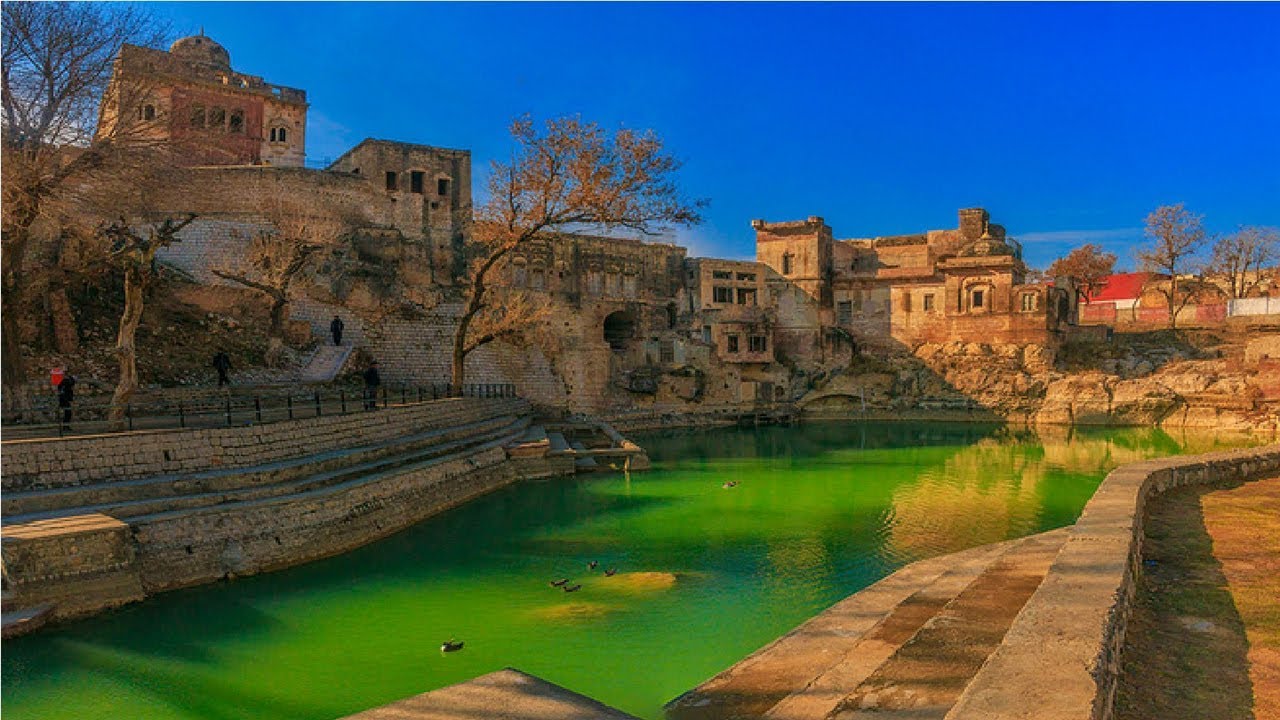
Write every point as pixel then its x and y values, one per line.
pixel 504 695
pixel 1061 657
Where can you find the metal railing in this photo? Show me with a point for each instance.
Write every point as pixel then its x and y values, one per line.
pixel 228 410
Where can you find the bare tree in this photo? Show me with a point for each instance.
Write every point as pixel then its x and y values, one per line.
pixel 513 316
pixel 566 175
pixel 134 249
pixel 1240 257
pixel 282 254
pixel 57 62
pixel 1177 237
pixel 1088 264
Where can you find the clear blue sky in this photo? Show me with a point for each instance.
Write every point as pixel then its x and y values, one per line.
pixel 1068 122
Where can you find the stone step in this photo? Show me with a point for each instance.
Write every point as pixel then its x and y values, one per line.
pixel 925 677
pixel 815 670
pixel 454 441
pixel 559 445
pixel 469 451
pixel 585 462
pixel 806 673
pixel 36 504
pixel 325 363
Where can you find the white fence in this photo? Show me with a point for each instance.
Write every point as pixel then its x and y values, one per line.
pixel 1254 306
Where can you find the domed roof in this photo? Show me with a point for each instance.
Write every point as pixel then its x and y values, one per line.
pixel 201 49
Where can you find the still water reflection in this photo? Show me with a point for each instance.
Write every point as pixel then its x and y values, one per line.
pixel 705 575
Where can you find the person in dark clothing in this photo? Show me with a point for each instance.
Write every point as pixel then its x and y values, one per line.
pixel 222 363
pixel 371 383
pixel 335 327
pixel 66 395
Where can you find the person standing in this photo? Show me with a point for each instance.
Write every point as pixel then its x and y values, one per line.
pixel 66 395
pixel 335 327
pixel 371 382
pixel 222 363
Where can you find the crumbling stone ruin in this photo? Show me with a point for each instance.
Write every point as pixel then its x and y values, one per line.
pixel 633 324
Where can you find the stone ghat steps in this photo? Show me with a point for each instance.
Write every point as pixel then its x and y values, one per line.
pixel 464 451
pixel 154 496
pixel 105 496
pixel 87 460
pixel 903 648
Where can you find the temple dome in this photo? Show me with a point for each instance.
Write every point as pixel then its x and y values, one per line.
pixel 201 49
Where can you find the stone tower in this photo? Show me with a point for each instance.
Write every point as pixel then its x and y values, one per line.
pixel 212 115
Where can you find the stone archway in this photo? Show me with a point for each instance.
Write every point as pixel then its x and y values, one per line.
pixel 619 327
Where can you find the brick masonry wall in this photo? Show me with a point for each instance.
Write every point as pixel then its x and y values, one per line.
pixel 1061 657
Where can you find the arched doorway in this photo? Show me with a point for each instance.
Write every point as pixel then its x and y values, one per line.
pixel 619 327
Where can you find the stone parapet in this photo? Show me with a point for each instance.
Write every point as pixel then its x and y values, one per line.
pixel 1061 658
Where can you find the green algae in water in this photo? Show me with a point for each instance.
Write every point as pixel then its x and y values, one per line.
pixel 705 575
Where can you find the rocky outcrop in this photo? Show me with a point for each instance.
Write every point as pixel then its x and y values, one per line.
pixel 1171 386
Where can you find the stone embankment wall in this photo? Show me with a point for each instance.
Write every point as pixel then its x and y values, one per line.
pixel 1061 657
pixel 83 460
pixel 227 502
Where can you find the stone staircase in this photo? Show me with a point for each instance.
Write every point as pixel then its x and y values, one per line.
pixel 325 363
pixel 903 649
pixel 242 501
pixel 138 500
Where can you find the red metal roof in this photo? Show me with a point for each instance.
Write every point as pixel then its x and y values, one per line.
pixel 1122 286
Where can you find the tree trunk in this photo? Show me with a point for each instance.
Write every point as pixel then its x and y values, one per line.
pixel 126 350
pixel 66 337
pixel 459 369
pixel 275 334
pixel 12 368
pixel 1173 301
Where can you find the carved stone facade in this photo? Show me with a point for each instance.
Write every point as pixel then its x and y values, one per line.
pixel 632 324
pixel 189 95
pixel 967 284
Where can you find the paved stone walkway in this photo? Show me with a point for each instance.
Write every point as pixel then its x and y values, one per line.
pixel 325 364
pixel 902 648
pixel 504 695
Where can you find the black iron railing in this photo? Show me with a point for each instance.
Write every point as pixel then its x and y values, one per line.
pixel 46 418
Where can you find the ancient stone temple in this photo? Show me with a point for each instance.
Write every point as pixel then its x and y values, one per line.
pixel 966 283
pixel 190 96
pixel 633 324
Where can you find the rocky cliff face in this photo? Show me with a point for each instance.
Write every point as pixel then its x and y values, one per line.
pixel 1153 379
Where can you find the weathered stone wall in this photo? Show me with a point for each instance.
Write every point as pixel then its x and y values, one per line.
pixel 82 563
pixel 195 548
pixel 1061 657
pixel 75 461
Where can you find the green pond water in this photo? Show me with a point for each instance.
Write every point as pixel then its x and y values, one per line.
pixel 705 575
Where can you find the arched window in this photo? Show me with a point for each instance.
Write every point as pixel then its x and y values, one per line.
pixel 278 134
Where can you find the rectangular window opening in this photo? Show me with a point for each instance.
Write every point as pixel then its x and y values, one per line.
pixel 415 181
pixel 392 183
pixel 746 297
pixel 442 186
pixel 928 302
pixel 235 123
pixel 722 294
pixel 759 344
pixel 977 298
pixel 197 116
pixel 844 312
pixel 721 275
pixel 731 343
